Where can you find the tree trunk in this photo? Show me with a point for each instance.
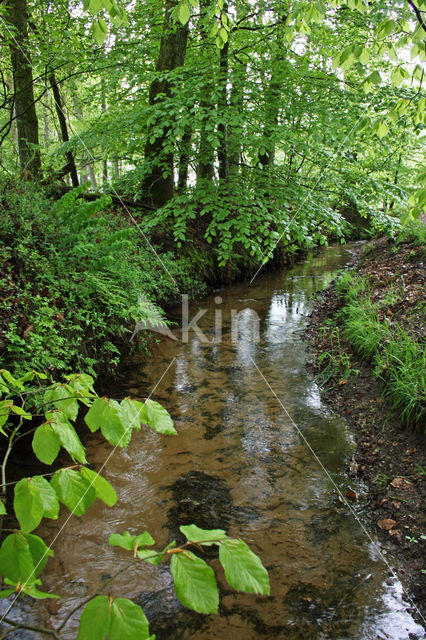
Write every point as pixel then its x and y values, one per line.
pixel 185 154
pixel 64 129
pixel 236 131
pixel 26 117
pixel 158 186
pixel 205 166
pixel 266 154
pixel 222 129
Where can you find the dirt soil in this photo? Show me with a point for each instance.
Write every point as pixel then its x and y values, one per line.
pixel 389 457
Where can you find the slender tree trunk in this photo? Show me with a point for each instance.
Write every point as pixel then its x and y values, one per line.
pixel 235 132
pixel 26 117
pixel 64 128
pixel 185 154
pixel 222 129
pixel 266 154
pixel 158 186
pixel 205 166
pixel 92 176
pixel 116 166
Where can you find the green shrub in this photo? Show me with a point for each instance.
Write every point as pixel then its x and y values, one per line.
pixel 73 278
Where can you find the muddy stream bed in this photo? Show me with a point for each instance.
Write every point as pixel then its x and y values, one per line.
pixel 257 454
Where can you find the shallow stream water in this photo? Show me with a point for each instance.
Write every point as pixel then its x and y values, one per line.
pixel 258 454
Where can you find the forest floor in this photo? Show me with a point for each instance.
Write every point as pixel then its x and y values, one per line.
pixel 389 458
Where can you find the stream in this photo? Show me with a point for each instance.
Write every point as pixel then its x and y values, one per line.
pixel 258 454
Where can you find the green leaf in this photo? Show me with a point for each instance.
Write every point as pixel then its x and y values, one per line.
pixel 117 618
pixel 206 537
pixel 73 490
pixel 195 583
pixel 2 508
pixel 112 419
pixel 114 425
pixel 11 380
pixel 128 621
pixel 98 32
pixel 94 416
pixel 243 569
pixel 386 28
pixel 46 444
pixel 159 419
pixel 129 542
pixel 32 591
pixel 134 412
pixel 104 490
pixel 184 13
pixel 81 385
pixel 5 406
pixel 23 557
pixel 67 435
pixel 59 396
pixel 20 412
pixel 28 505
pixel 95 6
pixel 48 497
pixel 95 619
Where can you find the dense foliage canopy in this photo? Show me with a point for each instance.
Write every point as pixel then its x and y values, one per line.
pixel 243 124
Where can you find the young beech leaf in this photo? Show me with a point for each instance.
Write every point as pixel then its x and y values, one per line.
pixel 195 583
pixel 67 435
pixel 93 417
pixel 2 508
pixel 140 408
pixel 22 557
pixel 28 504
pixel 159 419
pixel 128 621
pixel 81 385
pixel 129 542
pixel 95 620
pixel 205 537
pixel 184 13
pixel 115 618
pixel 104 490
pixel 243 569
pixel 115 427
pixel 74 491
pixel 31 590
pixel 130 413
pixel 59 396
pixel 48 497
pixel 21 412
pixel 46 444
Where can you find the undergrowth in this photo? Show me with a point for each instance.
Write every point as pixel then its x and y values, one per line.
pixel 75 279
pixel 397 357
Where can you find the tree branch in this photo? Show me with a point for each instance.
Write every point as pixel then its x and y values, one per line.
pixel 418 14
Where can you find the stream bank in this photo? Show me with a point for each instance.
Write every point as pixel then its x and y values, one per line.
pixel 389 457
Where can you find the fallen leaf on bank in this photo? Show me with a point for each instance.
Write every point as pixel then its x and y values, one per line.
pixel 401 483
pixel 353 468
pixel 351 495
pixel 386 524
